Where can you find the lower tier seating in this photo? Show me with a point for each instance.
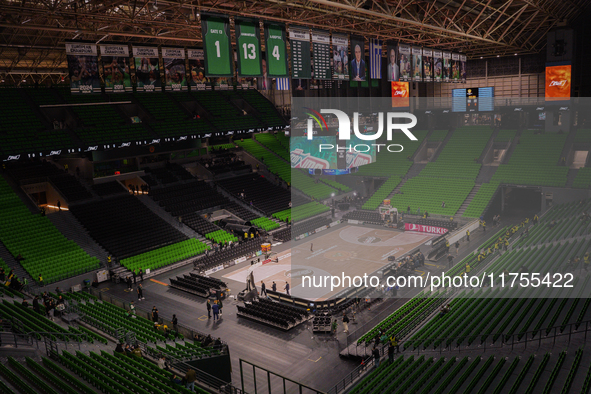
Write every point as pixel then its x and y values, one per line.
pixel 125 226
pixel 200 285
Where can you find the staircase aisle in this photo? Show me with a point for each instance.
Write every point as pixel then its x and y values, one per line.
pixel 71 228
pixel 467 201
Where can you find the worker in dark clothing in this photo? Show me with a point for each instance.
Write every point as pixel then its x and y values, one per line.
pixel 457 245
pixel 450 260
pixel 175 323
pixel 263 289
pixel 59 205
pixel 286 288
pixel 208 309
pixel 134 276
pixel 376 356
pixel 155 314
pixel 129 283
pixel 140 292
pixel 274 286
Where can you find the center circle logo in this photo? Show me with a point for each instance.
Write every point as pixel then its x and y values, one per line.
pixel 298 273
pixel 369 240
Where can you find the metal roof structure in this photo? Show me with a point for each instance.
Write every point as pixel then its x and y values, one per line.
pixel 33 32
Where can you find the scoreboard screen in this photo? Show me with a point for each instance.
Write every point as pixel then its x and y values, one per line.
pixel 472 100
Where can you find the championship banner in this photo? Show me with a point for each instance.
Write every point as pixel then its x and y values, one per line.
pixel 218 49
pixel 340 58
pixel 463 59
pixel 321 54
pixel 248 46
pixel 405 73
pixel 375 58
pixel 83 67
pixel 446 66
pixel 417 64
pixel 427 65
pixel 276 51
pixel 301 66
pixel 357 66
pixel 147 69
pixel 197 78
pixel 175 75
pixel 115 59
pixel 393 71
pixel 437 66
pixel 455 67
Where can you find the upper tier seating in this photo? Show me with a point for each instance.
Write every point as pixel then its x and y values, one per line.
pixel 45 250
pixel 164 256
pixel 275 164
pixel 269 141
pixel 481 200
pixel 535 161
pixel 457 159
pixel 126 227
pixel 264 195
pixel 226 117
pixel 583 178
pixel 21 130
pixel 70 187
pixel 266 111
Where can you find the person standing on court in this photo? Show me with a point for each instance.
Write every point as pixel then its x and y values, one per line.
pixel 140 292
pixel 274 286
pixel 216 311
pixel 208 309
pixel 286 288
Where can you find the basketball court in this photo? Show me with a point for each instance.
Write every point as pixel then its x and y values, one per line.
pixel 349 250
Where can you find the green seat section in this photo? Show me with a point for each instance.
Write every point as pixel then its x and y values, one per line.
pixel 505 135
pixel 388 163
pixel 535 161
pixel 583 178
pixel 22 131
pixel 457 159
pixel 481 199
pixel 265 223
pixel 45 250
pixel 383 191
pixel 166 255
pixel 221 237
pixel 276 165
pixel 301 212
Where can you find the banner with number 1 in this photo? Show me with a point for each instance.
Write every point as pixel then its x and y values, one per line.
pixel 217 46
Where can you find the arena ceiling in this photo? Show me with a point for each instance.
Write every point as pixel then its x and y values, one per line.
pixel 33 32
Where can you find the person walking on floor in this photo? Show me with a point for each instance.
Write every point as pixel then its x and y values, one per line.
pixel 134 276
pixel 468 235
pixel 263 289
pixel 208 309
pixel 345 322
pixel 155 314
pixel 286 288
pixel 216 311
pixel 140 292
pixel 312 247
pixel 457 244
pixel 175 323
pixel 274 286
pixel 129 282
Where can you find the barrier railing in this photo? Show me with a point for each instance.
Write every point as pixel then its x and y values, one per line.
pixel 269 382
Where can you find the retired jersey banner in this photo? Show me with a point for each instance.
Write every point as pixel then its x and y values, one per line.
pixel 301 65
pixel 417 64
pixel 115 59
pixel 276 51
pixel 405 72
pixel 248 46
pixel 321 54
pixel 219 59
pixel 375 58
pixel 147 69
pixel 197 78
pixel 446 66
pixel 427 65
pixel 174 69
pixel 340 57
pixel 393 70
pixel 83 67
pixel 437 66
pixel 463 59
pixel 455 67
